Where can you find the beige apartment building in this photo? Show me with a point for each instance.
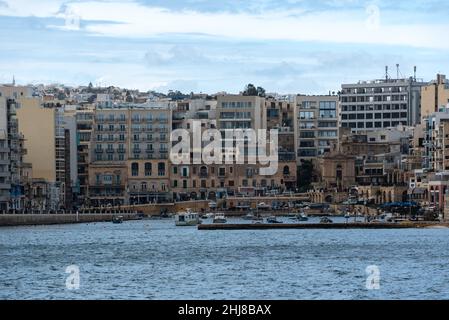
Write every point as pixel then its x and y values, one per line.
pixel 42 125
pixel 434 96
pixel 316 125
pixel 129 154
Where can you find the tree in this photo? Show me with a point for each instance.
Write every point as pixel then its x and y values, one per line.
pixel 305 175
pixel 129 97
pixel 260 92
pixel 251 90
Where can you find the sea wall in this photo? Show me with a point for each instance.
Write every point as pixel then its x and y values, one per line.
pixel 46 219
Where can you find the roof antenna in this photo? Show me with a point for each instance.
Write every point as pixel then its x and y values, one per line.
pixel 414 76
pixel 13 80
pixel 397 70
pixel 386 73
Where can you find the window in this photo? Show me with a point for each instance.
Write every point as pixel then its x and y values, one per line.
pixel 148 169
pixel 134 169
pixel 328 109
pixel 306 115
pixel 175 170
pixel 161 168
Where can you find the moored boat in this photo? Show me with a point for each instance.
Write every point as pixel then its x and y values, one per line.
pixel 325 220
pixel 117 220
pixel 219 218
pixel 187 218
pixel 273 220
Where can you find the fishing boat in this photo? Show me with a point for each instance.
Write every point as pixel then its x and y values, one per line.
pixel 187 218
pixel 219 218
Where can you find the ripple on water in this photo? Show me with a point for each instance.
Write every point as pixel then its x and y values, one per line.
pixel 155 260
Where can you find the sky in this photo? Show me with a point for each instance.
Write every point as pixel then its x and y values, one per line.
pixel 285 46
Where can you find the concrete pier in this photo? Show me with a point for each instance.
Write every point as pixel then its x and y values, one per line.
pixel 265 226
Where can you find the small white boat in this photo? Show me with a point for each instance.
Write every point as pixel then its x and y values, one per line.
pixel 251 216
pixel 219 218
pixel 187 218
pixel 263 206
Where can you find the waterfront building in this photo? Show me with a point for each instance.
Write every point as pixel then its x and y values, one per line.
pixel 129 154
pixel 42 124
pixel 316 125
pixel 13 171
pixel 84 127
pixel 371 105
pixel 5 184
pixel 434 96
pixel 436 141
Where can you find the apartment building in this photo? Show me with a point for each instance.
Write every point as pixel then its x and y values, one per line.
pixel 5 184
pixel 129 154
pixel 84 127
pixel 316 125
pixel 42 124
pixel 12 167
pixel 436 141
pixel 434 96
pixel 371 105
pixel 281 117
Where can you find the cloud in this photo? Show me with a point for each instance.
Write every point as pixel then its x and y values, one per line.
pixel 348 24
pixel 175 55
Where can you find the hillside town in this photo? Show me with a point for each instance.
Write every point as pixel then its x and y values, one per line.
pixel 374 143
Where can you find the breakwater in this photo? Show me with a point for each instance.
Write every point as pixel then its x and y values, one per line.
pixel 264 226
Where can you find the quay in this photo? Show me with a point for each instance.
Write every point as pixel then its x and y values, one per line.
pixel 360 225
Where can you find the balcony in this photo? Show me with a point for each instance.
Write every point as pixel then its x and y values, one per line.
pixel 149 150
pixel 137 150
pixel 110 150
pixel 121 150
pixel 99 151
pixel 163 151
pixel 178 117
pixel 4 174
